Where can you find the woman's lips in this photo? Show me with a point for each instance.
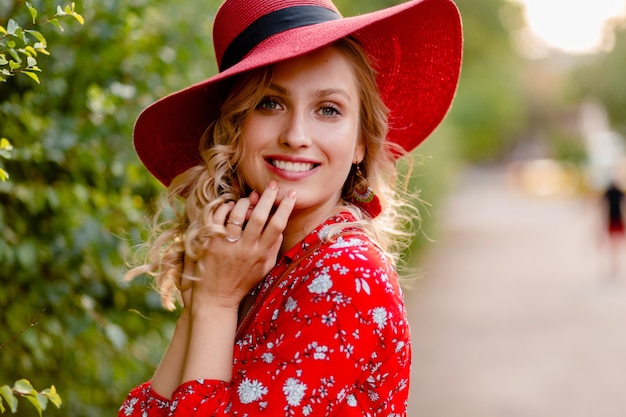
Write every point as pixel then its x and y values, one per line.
pixel 291 169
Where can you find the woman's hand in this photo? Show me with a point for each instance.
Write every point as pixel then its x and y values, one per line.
pixel 230 267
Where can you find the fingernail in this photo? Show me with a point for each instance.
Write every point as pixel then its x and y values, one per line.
pixel 292 194
pixel 272 185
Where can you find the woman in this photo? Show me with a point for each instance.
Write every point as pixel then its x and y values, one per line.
pixel 280 171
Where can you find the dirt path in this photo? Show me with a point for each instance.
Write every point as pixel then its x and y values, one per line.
pixel 517 316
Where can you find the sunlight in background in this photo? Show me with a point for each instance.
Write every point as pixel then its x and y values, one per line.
pixel 575 27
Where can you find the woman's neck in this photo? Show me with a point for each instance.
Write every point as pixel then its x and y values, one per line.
pixel 302 222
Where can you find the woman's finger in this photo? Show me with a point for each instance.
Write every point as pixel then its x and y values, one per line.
pixel 261 213
pixel 221 213
pixel 235 222
pixel 276 225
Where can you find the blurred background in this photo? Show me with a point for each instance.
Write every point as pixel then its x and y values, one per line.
pixel 519 302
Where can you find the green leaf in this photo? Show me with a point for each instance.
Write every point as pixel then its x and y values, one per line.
pixel 32 75
pixel 34 400
pixel 9 397
pixel 3 175
pixel 3 59
pixel 78 17
pixel 23 386
pixel 31 62
pixel 14 54
pixel 41 49
pixel 42 400
pixel 12 27
pixel 5 144
pixel 116 335
pixel 56 23
pixel 33 11
pixel 30 51
pixel 37 36
pixel 11 44
pixel 14 65
pixel 53 396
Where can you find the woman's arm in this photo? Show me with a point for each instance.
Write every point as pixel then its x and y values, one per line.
pixel 227 272
pixel 168 375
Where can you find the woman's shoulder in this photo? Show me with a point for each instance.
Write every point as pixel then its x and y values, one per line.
pixel 353 264
pixel 356 247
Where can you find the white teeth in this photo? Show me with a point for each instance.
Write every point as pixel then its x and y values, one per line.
pixel 293 166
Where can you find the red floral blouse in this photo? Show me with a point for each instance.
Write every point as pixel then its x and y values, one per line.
pixel 327 336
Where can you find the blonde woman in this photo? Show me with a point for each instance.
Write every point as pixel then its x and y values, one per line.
pixel 281 170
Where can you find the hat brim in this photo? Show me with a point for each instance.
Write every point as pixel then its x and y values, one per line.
pixel 416 49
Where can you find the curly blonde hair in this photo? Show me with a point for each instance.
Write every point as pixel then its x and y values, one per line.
pixel 194 195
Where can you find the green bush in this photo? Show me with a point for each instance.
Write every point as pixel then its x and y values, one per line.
pixel 77 198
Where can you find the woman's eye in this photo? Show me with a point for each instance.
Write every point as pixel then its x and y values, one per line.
pixel 269 104
pixel 329 111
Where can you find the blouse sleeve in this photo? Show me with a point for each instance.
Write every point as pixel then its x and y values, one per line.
pixel 337 340
pixel 143 401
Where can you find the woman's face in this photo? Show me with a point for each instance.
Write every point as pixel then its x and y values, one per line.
pixel 305 132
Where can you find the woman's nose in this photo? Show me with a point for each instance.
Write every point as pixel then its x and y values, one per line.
pixel 296 132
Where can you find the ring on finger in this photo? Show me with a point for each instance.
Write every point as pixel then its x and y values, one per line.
pixel 233 239
pixel 234 222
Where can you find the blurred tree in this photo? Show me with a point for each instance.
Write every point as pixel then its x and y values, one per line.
pixel 487 116
pixel 78 196
pixel 490 110
pixel 600 77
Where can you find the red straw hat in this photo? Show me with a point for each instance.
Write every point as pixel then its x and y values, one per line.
pixel 415 48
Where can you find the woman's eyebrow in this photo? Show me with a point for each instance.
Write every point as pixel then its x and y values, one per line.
pixel 330 91
pixel 279 89
pixel 323 92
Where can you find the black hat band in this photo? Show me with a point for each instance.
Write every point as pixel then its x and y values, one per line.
pixel 272 24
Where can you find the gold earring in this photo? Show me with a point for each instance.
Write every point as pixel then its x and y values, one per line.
pixel 363 196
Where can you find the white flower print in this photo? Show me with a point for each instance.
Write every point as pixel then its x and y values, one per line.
pixel 348 349
pixel 379 315
pixel 341 394
pixel 294 391
pixel 323 232
pixel 399 346
pixel 330 318
pixel 320 352
pixel 291 305
pixel 321 284
pixel 341 243
pixel 250 390
pixel 352 400
pixel 403 384
pixel 129 407
pixel 373 395
pixel 267 357
pixel 362 284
